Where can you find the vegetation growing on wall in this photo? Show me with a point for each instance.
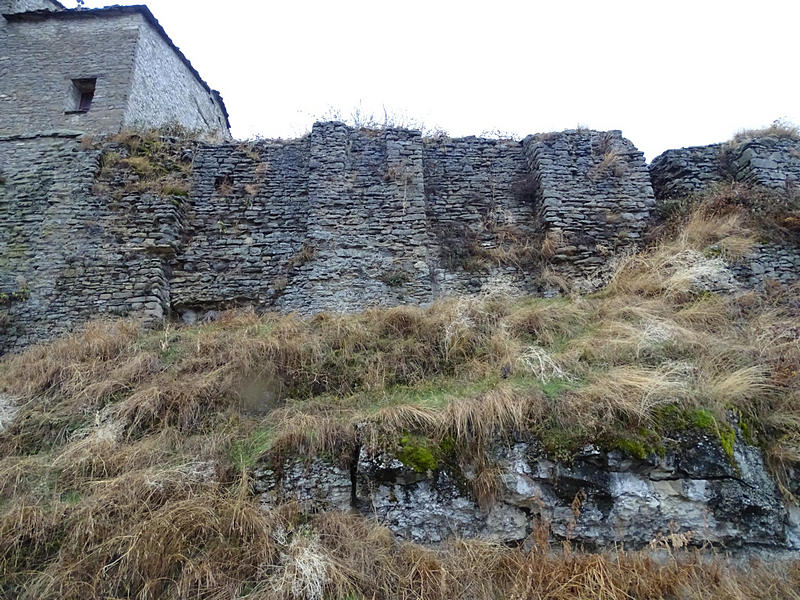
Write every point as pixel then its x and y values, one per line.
pixel 491 245
pixel 780 129
pixel 150 161
pixel 611 162
pixel 774 215
pixel 17 295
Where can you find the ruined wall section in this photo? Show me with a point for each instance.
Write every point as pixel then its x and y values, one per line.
pixel 340 220
pixel 332 221
pixel 769 261
pixel 686 171
pixel 481 214
pixel 367 225
pixel 770 162
pixel 67 254
pixel 593 194
pixel 15 6
pixel 245 223
pixel 767 161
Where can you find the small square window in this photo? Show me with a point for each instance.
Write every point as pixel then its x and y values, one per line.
pixel 83 94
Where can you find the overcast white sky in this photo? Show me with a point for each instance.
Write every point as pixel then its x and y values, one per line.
pixel 669 74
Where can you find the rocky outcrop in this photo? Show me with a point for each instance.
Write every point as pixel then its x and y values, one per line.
pixel 8 411
pixel 599 498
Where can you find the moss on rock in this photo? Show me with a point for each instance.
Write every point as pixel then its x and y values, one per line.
pixel 418 453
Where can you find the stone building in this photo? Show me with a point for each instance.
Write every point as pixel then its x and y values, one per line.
pixel 97 71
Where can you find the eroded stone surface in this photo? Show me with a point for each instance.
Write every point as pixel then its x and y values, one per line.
pixel 601 498
pixel 316 485
pixel 8 410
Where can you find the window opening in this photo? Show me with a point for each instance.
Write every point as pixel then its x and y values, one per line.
pixel 83 93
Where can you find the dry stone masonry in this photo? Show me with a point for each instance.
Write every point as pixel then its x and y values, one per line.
pixel 66 254
pixel 685 171
pixel 480 211
pixel 593 192
pixel 341 219
pixel 97 71
pixel 769 162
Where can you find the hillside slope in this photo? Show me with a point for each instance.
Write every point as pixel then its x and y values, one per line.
pixel 134 460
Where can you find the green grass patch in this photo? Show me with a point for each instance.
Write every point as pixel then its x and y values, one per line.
pixel 71 497
pixel 244 453
pixel 555 387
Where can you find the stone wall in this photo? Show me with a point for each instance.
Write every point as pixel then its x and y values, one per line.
pixel 767 161
pixel 341 219
pixel 15 6
pixel 686 171
pixel 769 262
pixel 43 56
pixel 165 92
pixel 142 79
pixel 366 220
pixel 483 230
pixel 67 254
pixel 592 192
pixel 246 219
pixel 770 162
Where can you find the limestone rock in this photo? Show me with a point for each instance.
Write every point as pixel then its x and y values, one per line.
pixel 601 498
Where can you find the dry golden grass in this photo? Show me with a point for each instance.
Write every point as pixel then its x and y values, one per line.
pixel 778 129
pixel 308 435
pixel 548 321
pixel 630 394
pixel 196 544
pixel 653 336
pixel 735 208
pixel 389 420
pixel 612 163
pixel 479 420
